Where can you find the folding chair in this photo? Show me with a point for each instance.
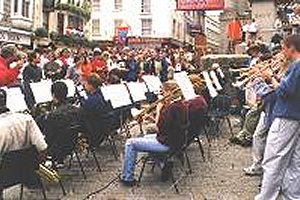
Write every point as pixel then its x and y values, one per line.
pixel 74 130
pixel 219 111
pixel 12 174
pixel 158 159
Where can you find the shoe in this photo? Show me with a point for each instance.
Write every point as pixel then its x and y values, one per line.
pixel 251 171
pixel 129 183
pixel 166 171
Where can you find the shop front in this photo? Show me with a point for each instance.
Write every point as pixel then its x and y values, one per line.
pixel 16 36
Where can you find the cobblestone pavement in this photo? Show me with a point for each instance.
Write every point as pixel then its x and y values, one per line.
pixel 220 178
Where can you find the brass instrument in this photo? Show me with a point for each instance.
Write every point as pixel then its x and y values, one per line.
pixel 48 174
pixel 149 109
pixel 274 63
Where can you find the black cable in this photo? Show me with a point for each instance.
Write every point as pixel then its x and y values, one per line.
pixel 108 184
pixel 103 188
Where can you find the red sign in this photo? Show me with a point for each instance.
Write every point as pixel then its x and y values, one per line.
pixel 200 4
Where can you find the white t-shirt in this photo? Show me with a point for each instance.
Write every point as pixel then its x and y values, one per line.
pixel 252 27
pixel 19 131
pixel 245 28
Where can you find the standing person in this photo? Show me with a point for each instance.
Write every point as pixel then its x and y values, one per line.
pixel 245 29
pixel 281 162
pixel 32 72
pixel 8 73
pixel 73 72
pixel 253 30
pixel 86 67
pixel 133 68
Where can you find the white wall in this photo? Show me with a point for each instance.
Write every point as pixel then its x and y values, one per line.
pixel 162 14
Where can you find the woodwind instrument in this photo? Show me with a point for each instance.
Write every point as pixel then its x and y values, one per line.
pixel 274 63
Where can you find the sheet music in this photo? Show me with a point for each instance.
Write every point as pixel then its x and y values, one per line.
pixel 15 99
pixel 212 91
pixel 42 91
pixel 137 91
pixel 153 83
pixel 117 94
pixel 185 85
pixel 71 87
pixel 215 80
pixel 219 70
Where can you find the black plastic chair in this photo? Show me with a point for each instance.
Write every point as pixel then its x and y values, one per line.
pixel 219 112
pixel 12 174
pixel 156 159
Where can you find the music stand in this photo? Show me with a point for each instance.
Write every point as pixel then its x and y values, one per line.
pixel 215 80
pixel 137 91
pixel 42 91
pixel 185 85
pixel 153 83
pixel 15 99
pixel 119 98
pixel 212 91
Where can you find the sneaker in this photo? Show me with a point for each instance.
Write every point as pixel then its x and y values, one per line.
pixel 166 171
pixel 251 171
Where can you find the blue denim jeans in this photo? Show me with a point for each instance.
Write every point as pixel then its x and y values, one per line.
pixel 147 143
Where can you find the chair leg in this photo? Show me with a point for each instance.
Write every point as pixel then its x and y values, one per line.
pixel 230 127
pixel 62 188
pixel 174 182
pixel 80 164
pixel 145 160
pixel 21 192
pixel 113 147
pixel 43 188
pixel 70 162
pixel 201 148
pixel 188 163
pixel 96 160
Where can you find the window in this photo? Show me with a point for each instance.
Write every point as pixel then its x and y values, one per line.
pixel 146 27
pixel 96 5
pixel 118 4
pixel 25 8
pixel 146 6
pixel 96 26
pixel 16 5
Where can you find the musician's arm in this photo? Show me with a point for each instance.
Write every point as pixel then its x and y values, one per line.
pixel 158 109
pixel 288 85
pixel 37 138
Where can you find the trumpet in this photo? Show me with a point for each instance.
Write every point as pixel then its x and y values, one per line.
pixel 274 63
pixel 48 174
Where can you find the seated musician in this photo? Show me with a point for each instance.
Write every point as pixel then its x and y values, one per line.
pixel 96 110
pixel 57 124
pixel 197 107
pixel 19 136
pixel 170 120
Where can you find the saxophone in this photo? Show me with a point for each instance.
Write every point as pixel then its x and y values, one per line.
pixel 48 174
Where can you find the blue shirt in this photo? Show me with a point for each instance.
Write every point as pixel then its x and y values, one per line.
pixel 288 94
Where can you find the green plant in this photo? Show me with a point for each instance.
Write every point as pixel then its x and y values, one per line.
pixel 41 32
pixel 84 11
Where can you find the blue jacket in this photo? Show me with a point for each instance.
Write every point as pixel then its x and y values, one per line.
pixel 288 94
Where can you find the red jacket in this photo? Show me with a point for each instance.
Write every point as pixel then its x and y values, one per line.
pixel 7 76
pixel 98 64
